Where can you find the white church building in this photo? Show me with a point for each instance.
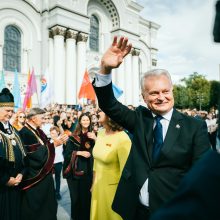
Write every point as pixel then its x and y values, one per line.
pixel 68 37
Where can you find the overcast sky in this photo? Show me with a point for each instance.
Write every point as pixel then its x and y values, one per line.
pixel 185 39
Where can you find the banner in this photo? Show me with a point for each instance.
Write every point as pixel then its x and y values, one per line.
pixel 2 81
pixel 31 89
pixel 46 94
pixel 16 92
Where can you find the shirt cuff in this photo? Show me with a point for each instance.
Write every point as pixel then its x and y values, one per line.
pixel 100 80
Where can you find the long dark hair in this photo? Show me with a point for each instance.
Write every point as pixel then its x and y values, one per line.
pixel 78 128
pixel 113 125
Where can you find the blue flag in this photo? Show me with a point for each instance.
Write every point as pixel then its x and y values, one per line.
pixel 2 81
pixel 117 91
pixel 16 92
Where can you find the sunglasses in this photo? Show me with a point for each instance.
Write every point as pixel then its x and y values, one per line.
pixel 46 118
pixel 22 116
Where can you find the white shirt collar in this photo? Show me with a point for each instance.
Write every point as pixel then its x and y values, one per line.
pixel 166 116
pixel 5 125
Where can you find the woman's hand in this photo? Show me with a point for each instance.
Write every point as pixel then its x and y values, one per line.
pixel 91 135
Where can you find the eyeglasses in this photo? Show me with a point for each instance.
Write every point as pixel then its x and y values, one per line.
pixel 46 118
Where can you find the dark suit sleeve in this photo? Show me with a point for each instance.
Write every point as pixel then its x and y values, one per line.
pixel 198 196
pixel 216 30
pixel 201 141
pixel 114 109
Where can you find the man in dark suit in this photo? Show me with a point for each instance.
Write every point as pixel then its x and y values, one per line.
pixel 198 195
pixel 165 142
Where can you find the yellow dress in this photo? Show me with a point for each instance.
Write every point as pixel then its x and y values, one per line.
pixel 110 154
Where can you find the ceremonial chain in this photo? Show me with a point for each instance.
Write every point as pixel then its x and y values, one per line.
pixel 10 140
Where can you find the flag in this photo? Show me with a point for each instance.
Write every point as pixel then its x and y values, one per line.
pixel 29 102
pixel 117 91
pixel 2 81
pixel 86 89
pixel 31 89
pixel 46 90
pixel 16 92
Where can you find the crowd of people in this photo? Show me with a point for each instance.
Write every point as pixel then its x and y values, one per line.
pixel 100 160
pixel 90 150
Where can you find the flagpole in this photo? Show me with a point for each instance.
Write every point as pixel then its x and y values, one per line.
pixel 38 99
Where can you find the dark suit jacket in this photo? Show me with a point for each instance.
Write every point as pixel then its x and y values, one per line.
pixel 198 196
pixel 186 140
pixel 216 29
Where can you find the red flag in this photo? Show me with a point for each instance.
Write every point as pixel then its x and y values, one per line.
pixel 31 89
pixel 86 89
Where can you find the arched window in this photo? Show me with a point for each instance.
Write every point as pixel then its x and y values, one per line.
pixel 94 33
pixel 12 49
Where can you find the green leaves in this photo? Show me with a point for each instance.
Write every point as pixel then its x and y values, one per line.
pixel 196 92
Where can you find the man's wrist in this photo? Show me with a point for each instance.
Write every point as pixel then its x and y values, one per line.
pixel 105 70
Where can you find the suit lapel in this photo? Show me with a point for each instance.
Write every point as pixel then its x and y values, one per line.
pixel 172 132
pixel 148 135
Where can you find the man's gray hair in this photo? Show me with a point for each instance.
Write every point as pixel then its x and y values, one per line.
pixel 35 111
pixel 155 72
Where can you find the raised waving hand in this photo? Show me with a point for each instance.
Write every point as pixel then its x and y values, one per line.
pixel 113 57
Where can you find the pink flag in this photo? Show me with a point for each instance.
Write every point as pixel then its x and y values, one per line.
pixel 31 89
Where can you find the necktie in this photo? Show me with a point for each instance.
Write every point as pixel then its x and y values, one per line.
pixel 158 137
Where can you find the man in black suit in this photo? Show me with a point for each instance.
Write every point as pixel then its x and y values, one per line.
pixel 198 196
pixel 165 142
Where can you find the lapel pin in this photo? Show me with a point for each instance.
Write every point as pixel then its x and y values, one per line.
pixel 178 126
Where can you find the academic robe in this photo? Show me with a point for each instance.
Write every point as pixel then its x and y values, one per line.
pixel 10 197
pixel 38 201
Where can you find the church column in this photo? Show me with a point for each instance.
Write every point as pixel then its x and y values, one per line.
pixel 25 61
pixel 70 85
pixel 59 64
pixel 81 58
pixel 129 79
pixel 135 79
pixel 120 81
pixel 1 57
pixel 51 53
pixel 51 62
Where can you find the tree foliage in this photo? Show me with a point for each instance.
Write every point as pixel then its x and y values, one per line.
pixel 196 92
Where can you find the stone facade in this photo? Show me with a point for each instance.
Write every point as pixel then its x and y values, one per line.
pixel 55 37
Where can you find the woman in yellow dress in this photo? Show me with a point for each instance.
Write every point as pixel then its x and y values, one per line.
pixel 110 154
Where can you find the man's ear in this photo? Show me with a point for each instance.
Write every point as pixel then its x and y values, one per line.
pixel 144 97
pixel 33 118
